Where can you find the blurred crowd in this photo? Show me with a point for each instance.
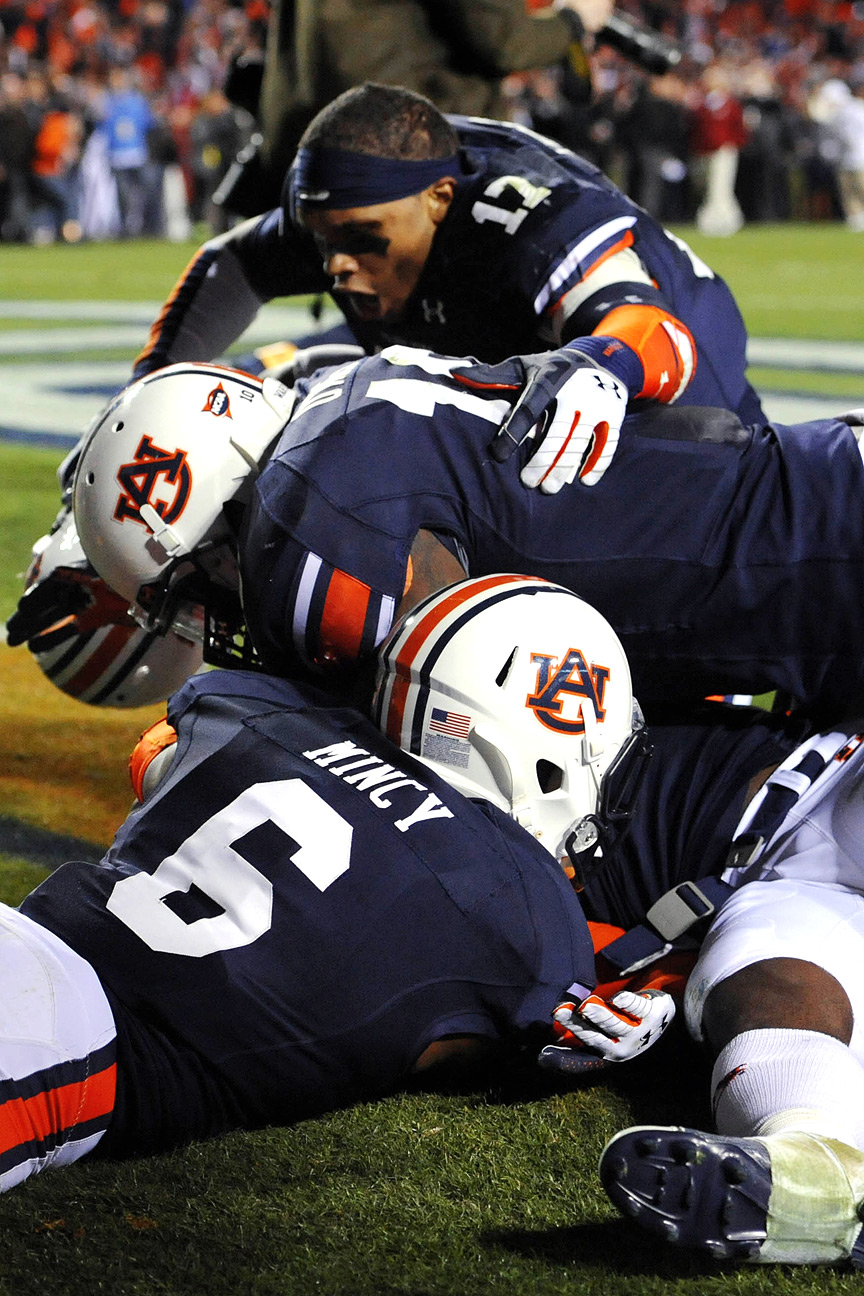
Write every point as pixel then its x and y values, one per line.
pixel 772 91
pixel 114 120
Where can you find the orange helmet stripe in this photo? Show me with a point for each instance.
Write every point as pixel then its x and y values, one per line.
pixel 420 635
pixel 95 666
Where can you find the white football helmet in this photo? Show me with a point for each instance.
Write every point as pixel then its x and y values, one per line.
pixel 517 691
pixel 83 636
pixel 156 474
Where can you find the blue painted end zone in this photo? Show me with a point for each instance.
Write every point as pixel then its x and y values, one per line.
pixel 47 440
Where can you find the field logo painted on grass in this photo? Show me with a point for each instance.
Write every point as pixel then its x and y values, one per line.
pixel 51 401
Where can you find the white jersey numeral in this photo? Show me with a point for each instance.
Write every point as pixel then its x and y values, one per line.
pixel 530 194
pixel 207 859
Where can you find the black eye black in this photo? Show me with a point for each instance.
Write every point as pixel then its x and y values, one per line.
pixel 354 245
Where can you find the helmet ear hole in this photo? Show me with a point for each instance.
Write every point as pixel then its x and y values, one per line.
pixel 549 776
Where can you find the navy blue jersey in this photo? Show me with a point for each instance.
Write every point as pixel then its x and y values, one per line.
pixel 729 560
pixel 298 912
pixel 691 799
pixel 528 223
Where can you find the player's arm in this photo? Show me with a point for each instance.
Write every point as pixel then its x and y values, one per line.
pixel 617 302
pixel 431 566
pixel 224 286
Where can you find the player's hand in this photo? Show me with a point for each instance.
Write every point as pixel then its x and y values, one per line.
pixel 574 409
pixel 306 360
pixel 597 1031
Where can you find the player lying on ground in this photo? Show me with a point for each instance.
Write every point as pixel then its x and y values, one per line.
pixel 776 996
pixel 280 810
pixel 728 559
pixel 301 915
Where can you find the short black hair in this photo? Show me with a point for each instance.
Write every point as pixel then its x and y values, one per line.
pixel 383 121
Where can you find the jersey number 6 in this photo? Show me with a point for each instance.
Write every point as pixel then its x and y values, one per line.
pixel 322 842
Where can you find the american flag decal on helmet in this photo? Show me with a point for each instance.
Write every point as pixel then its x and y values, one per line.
pixel 336 618
pixel 453 723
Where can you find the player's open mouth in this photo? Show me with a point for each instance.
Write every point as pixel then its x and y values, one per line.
pixel 366 305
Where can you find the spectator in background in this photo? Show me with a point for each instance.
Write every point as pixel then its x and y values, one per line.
pixel 718 135
pixel 215 136
pixel 764 163
pixel 127 122
pixel 841 115
pixel 17 139
pixel 656 132
pixel 456 54
pixel 56 165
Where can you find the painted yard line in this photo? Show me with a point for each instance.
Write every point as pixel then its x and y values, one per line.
pixel 144 313
pixel 268 327
pixel 276 321
pixel 798 353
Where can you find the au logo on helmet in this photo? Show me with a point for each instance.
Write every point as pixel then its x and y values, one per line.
pixel 558 680
pixel 153 470
pixel 217 403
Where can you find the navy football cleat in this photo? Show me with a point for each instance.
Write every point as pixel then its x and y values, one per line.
pixel 791 1198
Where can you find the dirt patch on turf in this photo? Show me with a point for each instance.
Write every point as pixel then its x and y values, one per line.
pixel 63 764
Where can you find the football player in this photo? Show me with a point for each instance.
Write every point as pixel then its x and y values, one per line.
pixel 728 559
pixel 474 237
pixel 776 997
pixel 302 913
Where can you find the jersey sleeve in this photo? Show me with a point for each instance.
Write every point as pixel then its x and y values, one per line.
pixel 368 460
pixel 224 286
pixel 590 281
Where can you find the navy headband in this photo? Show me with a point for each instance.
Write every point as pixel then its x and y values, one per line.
pixel 326 178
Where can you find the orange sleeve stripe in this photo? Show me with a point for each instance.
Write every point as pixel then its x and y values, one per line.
pixel 47 1114
pixel 625 241
pixel 663 344
pixel 156 327
pixel 343 618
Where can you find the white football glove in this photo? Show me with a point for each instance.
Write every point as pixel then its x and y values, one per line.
pixel 580 435
pixel 607 1031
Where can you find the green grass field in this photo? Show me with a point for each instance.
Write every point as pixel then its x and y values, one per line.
pixel 422 1195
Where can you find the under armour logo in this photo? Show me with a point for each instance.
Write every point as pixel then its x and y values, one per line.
pixel 433 311
pixel 153 469
pixel 607 385
pixel 571 679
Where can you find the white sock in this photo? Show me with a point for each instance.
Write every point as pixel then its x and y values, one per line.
pixel 765 1081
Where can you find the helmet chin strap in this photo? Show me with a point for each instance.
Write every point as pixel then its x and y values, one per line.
pixel 163 534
